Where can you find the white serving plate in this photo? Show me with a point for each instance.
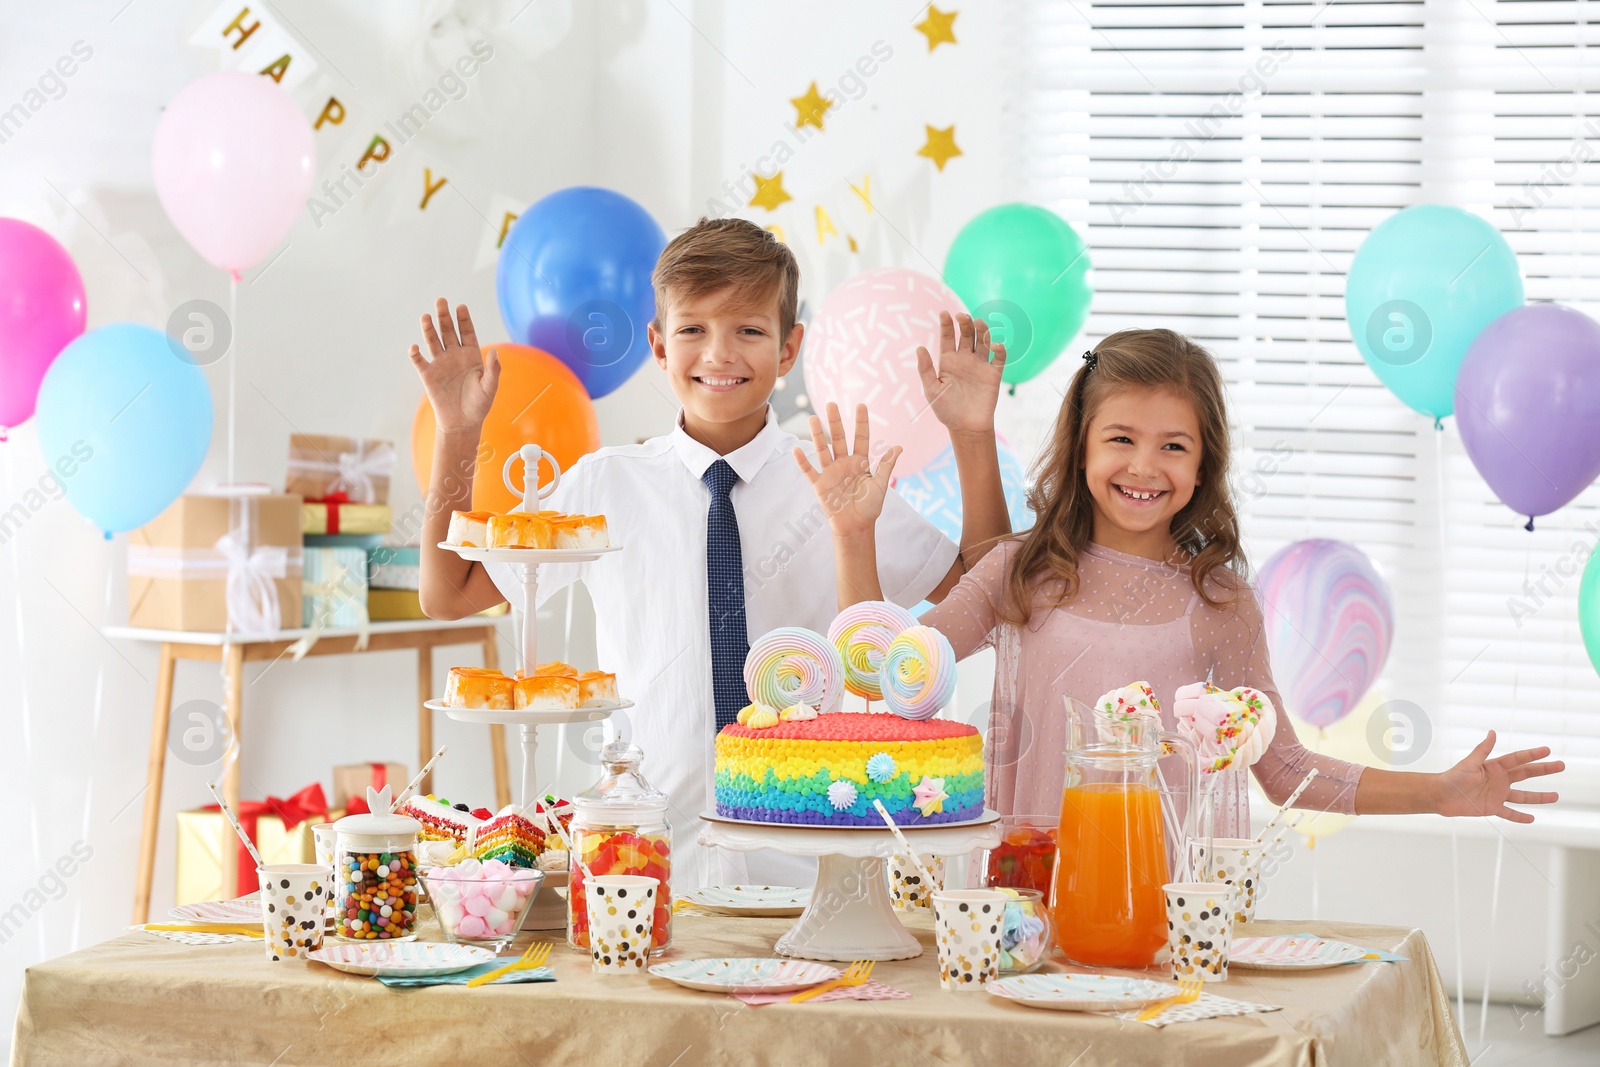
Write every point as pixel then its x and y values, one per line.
pixel 533 556
pixel 525 717
pixel 769 900
pixel 401 959
pixel 1081 992
pixel 988 816
pixel 746 975
pixel 1292 953
pixel 246 909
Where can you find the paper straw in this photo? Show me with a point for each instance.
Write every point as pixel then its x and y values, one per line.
pixel 1287 804
pixel 405 794
pixel 234 820
pixel 555 824
pixel 916 860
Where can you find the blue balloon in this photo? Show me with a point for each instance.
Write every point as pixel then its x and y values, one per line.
pixel 134 417
pixel 1421 286
pixel 935 492
pixel 574 280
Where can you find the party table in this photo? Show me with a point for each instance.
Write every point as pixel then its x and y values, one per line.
pixel 139 998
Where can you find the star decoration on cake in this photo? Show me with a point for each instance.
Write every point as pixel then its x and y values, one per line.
pixel 770 192
pixel 810 107
pixel 880 767
pixel 938 27
pixel 940 147
pixel 841 794
pixel 929 796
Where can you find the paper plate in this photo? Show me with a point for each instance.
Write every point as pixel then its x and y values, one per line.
pixel 241 910
pixel 401 959
pixel 1291 953
pixel 1081 992
pixel 745 975
pixel 771 900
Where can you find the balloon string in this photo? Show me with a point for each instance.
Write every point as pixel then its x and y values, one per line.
pixel 1455 845
pixel 22 681
pixel 233 360
pixel 94 732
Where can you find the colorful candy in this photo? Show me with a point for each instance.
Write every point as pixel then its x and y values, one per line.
pixel 620 852
pixel 1230 728
pixel 378 895
pixel 862 633
pixel 481 901
pixel 919 673
pixel 1025 858
pixel 793 665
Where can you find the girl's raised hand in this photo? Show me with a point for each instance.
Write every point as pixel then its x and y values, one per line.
pixel 1479 785
pixel 459 381
pixel 964 391
pixel 850 492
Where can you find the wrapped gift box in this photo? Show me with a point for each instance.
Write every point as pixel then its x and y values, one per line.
pixel 395 567
pixel 390 605
pixel 180 563
pixel 335 587
pixel 350 780
pixel 338 517
pixel 322 465
pixel 280 828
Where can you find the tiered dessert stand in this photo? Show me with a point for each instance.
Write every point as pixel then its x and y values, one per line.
pixel 527 561
pixel 850 916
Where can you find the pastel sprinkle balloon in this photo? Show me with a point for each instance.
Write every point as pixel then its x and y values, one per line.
pixel 1329 624
pixel 792 665
pixel 919 673
pixel 862 633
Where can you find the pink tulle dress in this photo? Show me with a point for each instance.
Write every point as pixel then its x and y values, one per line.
pixel 1131 619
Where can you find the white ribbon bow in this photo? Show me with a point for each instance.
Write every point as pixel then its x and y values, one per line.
pixel 251 590
pixel 357 468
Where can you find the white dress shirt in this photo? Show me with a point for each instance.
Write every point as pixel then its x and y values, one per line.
pixel 651 616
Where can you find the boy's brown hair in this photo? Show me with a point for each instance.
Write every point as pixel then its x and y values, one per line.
pixel 716 254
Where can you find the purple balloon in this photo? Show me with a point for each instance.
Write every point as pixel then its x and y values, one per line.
pixel 1528 404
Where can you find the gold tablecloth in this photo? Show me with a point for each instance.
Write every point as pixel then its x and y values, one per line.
pixel 142 999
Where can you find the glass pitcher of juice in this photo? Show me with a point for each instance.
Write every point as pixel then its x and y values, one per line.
pixel 1121 832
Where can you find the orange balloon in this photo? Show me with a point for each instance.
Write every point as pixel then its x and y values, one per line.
pixel 539 402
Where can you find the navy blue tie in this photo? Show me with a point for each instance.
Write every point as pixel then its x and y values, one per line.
pixel 730 641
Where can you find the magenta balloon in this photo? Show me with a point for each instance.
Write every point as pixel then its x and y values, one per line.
pixel 1528 404
pixel 233 160
pixel 42 308
pixel 1329 624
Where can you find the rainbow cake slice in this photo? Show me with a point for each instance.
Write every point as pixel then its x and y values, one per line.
pixel 827 771
pixel 510 838
pixel 441 822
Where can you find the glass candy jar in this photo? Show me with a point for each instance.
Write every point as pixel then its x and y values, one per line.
pixel 375 877
pixel 619 826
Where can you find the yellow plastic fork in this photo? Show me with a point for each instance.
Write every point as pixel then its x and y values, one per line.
pixel 1188 992
pixel 536 955
pixel 856 974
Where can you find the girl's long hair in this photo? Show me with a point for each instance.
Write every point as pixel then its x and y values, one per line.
pixel 1044 570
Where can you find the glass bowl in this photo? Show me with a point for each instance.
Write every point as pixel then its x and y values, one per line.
pixel 1028 936
pixel 482 904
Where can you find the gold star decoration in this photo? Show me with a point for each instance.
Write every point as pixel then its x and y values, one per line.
pixel 810 107
pixel 937 27
pixel 941 146
pixel 770 192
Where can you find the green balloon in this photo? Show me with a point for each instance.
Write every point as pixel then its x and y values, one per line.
pixel 1589 608
pixel 1025 272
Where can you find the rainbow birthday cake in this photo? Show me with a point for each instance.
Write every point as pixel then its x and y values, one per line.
pixel 827 769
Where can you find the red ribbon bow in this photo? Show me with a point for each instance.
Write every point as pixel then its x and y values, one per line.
pixel 309 803
pixel 332 502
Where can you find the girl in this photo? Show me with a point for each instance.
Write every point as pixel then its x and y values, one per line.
pixel 1133 570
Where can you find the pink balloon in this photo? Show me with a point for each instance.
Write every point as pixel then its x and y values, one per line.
pixel 861 348
pixel 234 161
pixel 41 309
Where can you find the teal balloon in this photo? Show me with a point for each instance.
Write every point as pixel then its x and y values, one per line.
pixel 130 418
pixel 1589 608
pixel 1421 286
pixel 1025 272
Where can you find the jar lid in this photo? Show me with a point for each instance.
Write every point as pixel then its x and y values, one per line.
pixel 622 792
pixel 378 824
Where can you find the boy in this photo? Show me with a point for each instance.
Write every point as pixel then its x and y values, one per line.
pixel 723 540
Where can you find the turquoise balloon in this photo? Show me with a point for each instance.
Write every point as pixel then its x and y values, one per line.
pixel 1025 272
pixel 130 419
pixel 1589 608
pixel 1422 285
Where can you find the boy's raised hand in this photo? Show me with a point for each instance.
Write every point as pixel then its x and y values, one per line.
pixel 964 391
pixel 851 493
pixel 459 381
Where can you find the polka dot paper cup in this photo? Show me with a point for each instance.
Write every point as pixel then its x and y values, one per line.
pixel 1199 929
pixel 622 910
pixel 1234 861
pixel 294 901
pixel 906 887
pixel 967 924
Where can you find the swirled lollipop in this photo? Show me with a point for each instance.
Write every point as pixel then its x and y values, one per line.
pixel 919 673
pixel 1230 728
pixel 862 633
pixel 792 665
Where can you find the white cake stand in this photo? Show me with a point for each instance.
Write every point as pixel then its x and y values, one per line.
pixel 528 561
pixel 850 917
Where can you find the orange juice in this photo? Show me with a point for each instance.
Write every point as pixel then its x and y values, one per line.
pixel 1111 863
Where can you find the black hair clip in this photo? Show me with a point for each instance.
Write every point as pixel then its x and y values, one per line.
pixel 1090 360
